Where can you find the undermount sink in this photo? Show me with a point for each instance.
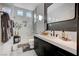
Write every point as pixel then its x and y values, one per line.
pixel 66 40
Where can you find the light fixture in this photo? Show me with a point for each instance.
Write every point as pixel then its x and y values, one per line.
pixel 40 17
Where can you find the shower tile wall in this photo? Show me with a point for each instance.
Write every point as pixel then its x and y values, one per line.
pixel 25 32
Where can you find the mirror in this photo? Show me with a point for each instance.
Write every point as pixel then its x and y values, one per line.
pixel 60 12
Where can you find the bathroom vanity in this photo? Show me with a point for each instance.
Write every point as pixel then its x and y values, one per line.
pixel 52 46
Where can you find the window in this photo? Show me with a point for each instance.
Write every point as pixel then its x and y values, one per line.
pixel 28 14
pixel 6 9
pixel 19 12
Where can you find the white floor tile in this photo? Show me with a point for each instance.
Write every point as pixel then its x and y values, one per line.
pixel 27 53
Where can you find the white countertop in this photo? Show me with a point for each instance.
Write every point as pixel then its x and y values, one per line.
pixel 70 46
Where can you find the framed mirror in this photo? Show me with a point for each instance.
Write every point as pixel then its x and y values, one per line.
pixel 60 12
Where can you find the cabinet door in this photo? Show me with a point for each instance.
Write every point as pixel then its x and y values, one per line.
pixel 50 50
pixel 36 43
pixel 38 46
pixel 43 48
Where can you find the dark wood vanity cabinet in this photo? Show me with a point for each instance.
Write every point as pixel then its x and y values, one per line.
pixel 43 48
pixel 38 47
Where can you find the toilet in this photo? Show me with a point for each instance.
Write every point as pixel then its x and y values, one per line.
pixel 31 43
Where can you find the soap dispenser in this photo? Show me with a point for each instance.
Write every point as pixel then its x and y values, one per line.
pixel 64 36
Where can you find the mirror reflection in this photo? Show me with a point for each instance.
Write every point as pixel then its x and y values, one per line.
pixel 60 12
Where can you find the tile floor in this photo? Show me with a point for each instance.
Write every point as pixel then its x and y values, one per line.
pixel 5 50
pixel 27 53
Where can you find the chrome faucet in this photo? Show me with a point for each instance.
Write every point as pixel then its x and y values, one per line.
pixel 53 33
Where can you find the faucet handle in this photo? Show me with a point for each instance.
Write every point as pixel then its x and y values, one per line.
pixel 53 33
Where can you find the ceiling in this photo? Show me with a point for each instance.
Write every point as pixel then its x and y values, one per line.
pixel 29 6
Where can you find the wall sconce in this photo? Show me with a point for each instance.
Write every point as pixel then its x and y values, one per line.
pixel 40 18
